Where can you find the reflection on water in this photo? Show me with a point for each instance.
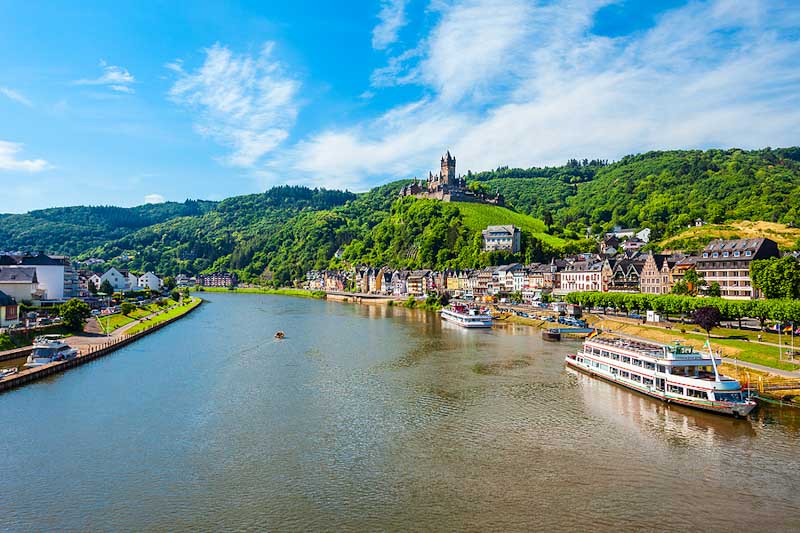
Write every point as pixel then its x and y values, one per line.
pixel 372 417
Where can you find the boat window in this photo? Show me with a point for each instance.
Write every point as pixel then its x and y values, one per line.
pixel 728 396
pixel 675 389
pixel 626 359
pixel 696 393
pixel 42 352
pixel 648 381
pixel 624 374
pixel 636 362
pixel 648 365
pixel 636 377
pixel 662 368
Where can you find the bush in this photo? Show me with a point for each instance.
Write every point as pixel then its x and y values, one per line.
pixel 127 308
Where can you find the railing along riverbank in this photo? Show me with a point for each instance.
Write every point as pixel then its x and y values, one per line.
pixel 88 353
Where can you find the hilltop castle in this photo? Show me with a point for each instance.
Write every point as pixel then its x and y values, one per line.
pixel 447 186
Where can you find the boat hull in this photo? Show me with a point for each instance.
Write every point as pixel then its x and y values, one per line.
pixel 724 408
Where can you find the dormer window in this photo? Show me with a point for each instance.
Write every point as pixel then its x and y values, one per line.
pixel 735 254
pixel 748 253
pixel 724 254
pixel 705 254
pixel 715 254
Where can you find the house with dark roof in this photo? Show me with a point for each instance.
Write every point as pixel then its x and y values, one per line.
pixel 19 283
pixel 727 262
pixel 9 311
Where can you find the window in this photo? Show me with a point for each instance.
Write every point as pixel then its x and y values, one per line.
pixel 624 374
pixel 724 254
pixel 636 377
pixel 696 393
pixel 626 359
pixel 736 254
pixel 715 254
pixel 748 253
pixel 675 389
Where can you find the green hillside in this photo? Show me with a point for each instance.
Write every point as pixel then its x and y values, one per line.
pixel 279 234
pixel 477 216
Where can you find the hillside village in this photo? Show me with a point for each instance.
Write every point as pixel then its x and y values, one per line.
pixel 722 269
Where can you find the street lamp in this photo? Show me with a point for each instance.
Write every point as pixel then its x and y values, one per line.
pixel 108 316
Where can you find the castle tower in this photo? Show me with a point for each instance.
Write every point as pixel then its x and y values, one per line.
pixel 448 169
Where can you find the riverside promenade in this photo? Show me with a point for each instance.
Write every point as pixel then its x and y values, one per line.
pixel 94 345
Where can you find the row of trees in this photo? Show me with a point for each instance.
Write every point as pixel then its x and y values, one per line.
pixel 780 310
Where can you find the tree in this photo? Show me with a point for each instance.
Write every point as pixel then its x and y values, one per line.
pixel 681 288
pixel 106 288
pixel 169 283
pixel 693 281
pixel 127 308
pixel 707 318
pixel 92 287
pixel 777 278
pixel 175 294
pixel 714 290
pixel 74 314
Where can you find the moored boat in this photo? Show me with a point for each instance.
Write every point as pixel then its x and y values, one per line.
pixel 466 317
pixel 673 373
pixel 551 334
pixel 5 372
pixel 48 349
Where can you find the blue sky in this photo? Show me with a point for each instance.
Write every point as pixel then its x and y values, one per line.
pixel 132 102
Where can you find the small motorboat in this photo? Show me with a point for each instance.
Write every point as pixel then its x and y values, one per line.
pixel 5 372
pixel 280 335
pixel 551 335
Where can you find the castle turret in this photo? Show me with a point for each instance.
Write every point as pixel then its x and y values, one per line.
pixel 448 168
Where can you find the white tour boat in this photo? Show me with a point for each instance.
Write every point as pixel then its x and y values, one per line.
pixel 674 373
pixel 466 317
pixel 48 349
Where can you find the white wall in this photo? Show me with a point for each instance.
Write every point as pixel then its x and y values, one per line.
pixel 51 280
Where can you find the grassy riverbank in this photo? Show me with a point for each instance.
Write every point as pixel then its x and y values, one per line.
pixel 171 313
pixel 735 348
pixel 110 323
pixel 302 293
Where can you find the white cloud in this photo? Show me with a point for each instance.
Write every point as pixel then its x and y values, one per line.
pixel 154 199
pixel 9 161
pixel 115 78
pixel 16 96
pixel 510 82
pixel 245 102
pixel 392 17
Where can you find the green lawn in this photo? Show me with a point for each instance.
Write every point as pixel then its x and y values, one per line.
pixel 478 216
pixel 117 320
pixel 166 315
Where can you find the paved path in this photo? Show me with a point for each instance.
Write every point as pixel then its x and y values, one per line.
pixel 762 368
pixel 93 334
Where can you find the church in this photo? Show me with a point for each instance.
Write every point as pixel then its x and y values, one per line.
pixel 448 186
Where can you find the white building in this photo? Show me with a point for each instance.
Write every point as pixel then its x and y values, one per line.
pixel 505 238
pixel 117 279
pixel 150 281
pixel 581 276
pixel 19 283
pixel 54 275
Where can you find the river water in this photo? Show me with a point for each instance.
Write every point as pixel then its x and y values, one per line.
pixel 370 417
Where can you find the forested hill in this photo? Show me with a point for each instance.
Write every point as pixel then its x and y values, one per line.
pixel 283 232
pixel 72 230
pixel 661 190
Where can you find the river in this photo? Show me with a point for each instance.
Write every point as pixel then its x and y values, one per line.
pixel 372 417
